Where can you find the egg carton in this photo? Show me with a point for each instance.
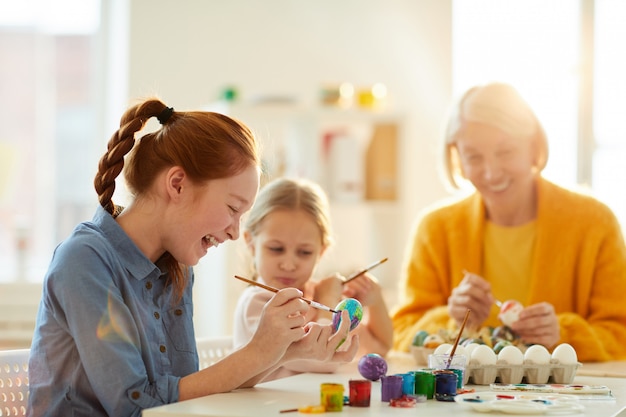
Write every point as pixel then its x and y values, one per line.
pixel 504 373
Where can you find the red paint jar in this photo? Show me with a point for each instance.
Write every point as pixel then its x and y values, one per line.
pixel 360 392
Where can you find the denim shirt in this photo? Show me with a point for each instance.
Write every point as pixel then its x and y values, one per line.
pixel 109 339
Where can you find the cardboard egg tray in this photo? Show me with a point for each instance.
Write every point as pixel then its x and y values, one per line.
pixel 504 373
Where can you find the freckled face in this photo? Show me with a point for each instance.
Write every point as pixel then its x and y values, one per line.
pixel 212 215
pixel 499 166
pixel 287 248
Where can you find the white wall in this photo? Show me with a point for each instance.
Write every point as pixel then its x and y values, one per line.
pixel 186 51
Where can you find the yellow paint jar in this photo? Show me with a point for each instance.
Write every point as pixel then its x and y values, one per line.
pixel 332 396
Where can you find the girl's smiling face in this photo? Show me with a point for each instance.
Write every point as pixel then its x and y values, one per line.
pixel 286 248
pixel 210 215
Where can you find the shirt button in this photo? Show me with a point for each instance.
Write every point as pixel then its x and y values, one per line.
pixel 178 312
pixel 162 348
pixel 135 395
pixel 149 285
pixel 157 315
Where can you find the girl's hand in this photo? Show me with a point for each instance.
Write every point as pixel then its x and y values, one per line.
pixel 321 344
pixel 328 292
pixel 281 324
pixel 473 293
pixel 364 288
pixel 538 324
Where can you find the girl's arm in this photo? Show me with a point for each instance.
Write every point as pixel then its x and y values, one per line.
pixel 376 329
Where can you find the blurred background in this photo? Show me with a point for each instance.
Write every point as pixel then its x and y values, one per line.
pixel 350 93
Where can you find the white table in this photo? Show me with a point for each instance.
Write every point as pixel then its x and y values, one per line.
pixel 269 398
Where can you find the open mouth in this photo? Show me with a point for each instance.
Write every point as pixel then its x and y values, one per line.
pixel 496 188
pixel 211 241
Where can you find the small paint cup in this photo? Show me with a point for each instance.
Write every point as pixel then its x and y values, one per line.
pixel 331 396
pixel 457 365
pixel 425 383
pixel 445 385
pixel 408 383
pixel 360 392
pixel 391 387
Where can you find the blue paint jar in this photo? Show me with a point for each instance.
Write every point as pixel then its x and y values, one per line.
pixel 445 385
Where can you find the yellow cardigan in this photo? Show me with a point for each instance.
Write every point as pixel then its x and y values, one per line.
pixel 579 266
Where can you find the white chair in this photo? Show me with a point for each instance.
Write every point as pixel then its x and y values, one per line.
pixel 212 349
pixel 14 382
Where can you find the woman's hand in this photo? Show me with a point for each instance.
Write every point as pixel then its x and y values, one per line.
pixel 538 324
pixel 473 293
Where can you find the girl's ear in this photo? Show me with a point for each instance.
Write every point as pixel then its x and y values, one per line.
pixel 247 236
pixel 175 181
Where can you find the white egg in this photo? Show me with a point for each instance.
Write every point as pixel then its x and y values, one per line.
pixel 483 355
pixel 565 354
pixel 442 349
pixel 460 350
pixel 469 349
pixel 511 355
pixel 537 355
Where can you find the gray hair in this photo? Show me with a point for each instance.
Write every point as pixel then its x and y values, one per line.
pixel 498 105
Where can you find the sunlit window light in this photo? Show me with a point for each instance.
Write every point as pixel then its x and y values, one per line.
pixel 58 17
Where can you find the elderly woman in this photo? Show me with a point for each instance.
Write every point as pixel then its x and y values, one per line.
pixel 517 236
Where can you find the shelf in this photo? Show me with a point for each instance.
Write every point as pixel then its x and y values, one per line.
pixel 352 153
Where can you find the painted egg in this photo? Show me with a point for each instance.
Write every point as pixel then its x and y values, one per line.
pixel 420 336
pixel 372 366
pixel 509 312
pixel 432 341
pixel 355 311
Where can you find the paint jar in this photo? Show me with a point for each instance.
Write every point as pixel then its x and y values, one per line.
pixel 425 383
pixel 445 385
pixel 457 365
pixel 360 392
pixel 408 383
pixel 391 387
pixel 331 396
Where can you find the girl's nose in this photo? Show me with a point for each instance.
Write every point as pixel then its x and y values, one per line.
pixel 287 265
pixel 233 231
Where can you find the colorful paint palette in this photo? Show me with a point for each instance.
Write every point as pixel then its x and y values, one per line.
pixel 527 403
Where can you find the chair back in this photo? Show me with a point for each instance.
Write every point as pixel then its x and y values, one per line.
pixel 14 382
pixel 212 349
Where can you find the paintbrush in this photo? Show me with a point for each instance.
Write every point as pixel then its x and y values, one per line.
pixel 458 337
pixel 272 289
pixel 364 270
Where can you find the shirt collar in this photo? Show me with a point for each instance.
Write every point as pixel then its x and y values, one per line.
pixel 137 264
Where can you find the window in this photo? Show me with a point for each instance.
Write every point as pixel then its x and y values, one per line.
pixel 565 58
pixel 608 173
pixel 49 128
